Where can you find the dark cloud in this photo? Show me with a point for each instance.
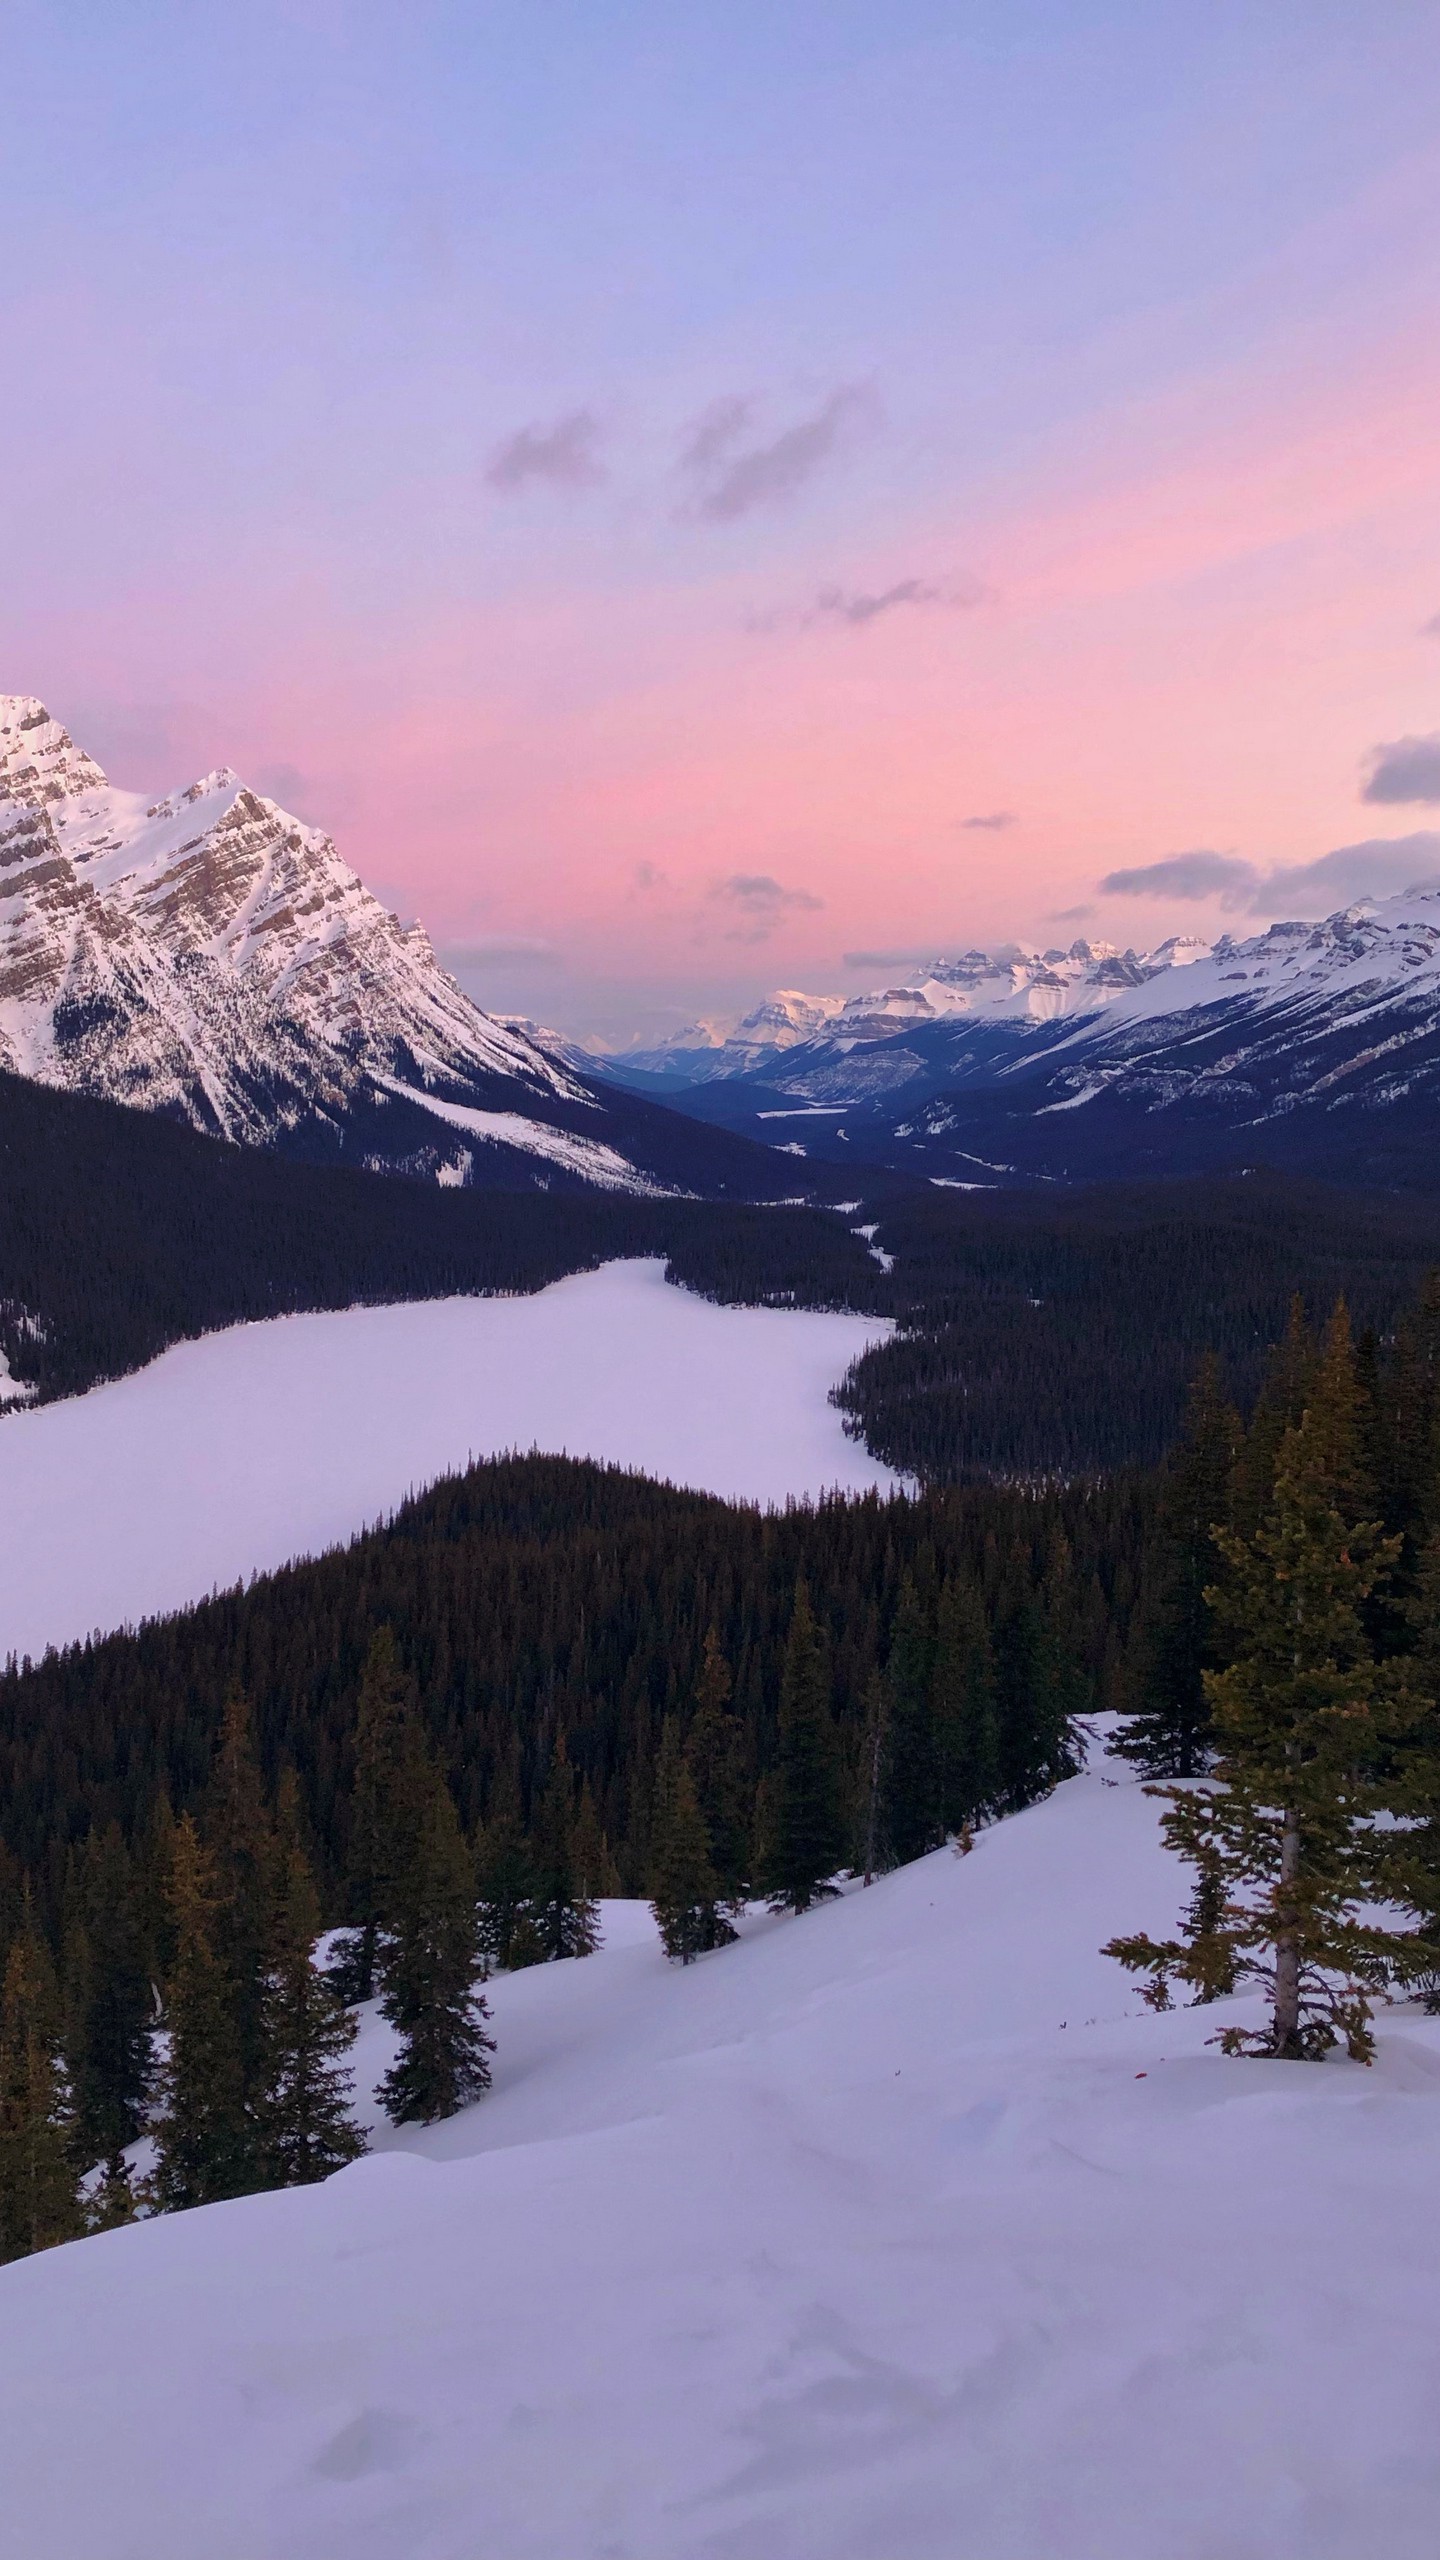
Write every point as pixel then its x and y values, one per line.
pixel 992 824
pixel 1376 868
pixel 1406 770
pixel 1071 915
pixel 647 876
pixel 733 474
pixel 1200 874
pixel 565 455
pixel 761 903
pixel 887 959
pixel 957 595
pixel 1431 630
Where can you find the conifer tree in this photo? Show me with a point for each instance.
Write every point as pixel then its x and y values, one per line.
pixel 715 1749
pixel 807 1831
pixel 873 1738
pixel 505 1879
pixel 967 1743
pixel 307 2125
pixel 564 1916
pixel 208 2135
pixel 39 2188
pixel 595 1871
pixel 1315 1740
pixel 684 1888
pixel 1169 1731
pixel 240 1843
pixel 433 1973
pixel 911 1790
pixel 386 1747
pixel 110 2005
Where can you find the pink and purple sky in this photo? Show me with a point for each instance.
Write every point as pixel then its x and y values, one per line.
pixel 701 498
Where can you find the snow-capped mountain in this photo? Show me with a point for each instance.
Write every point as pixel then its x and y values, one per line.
pixel 1309 1046
pixel 1027 986
pixel 209 956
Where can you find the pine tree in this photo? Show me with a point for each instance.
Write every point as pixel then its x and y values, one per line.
pixel 564 1916
pixel 1315 1740
pixel 911 1789
pixel 432 1996
pixel 715 1749
pixel 967 1742
pixel 208 2135
pixel 595 1870
pixel 39 2188
pixel 240 1843
pixel 807 1839
pixel 873 1740
pixel 505 1879
pixel 386 1746
pixel 1169 1730
pixel 307 2125
pixel 684 1888
pixel 110 2005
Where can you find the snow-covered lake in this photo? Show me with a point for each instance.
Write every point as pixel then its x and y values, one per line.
pixel 234 1454
pixel 899 2232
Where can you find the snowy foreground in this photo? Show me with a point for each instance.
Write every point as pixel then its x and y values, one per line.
pixel 897 2232
pixel 234 1454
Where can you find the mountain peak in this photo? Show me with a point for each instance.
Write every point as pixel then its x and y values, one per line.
pixel 39 760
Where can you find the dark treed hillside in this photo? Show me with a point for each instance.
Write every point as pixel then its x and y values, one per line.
pixel 538 1599
pixel 122 1232
pixel 1055 1333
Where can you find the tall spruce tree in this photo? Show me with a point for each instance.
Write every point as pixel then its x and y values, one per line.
pixel 912 1820
pixel 807 1838
pixel 684 1888
pixel 39 2187
pixel 562 1913
pixel 966 1739
pixel 505 1878
pixel 208 2134
pixel 110 2003
pixel 383 1794
pixel 433 1972
pixel 240 1844
pixel 1168 1732
pixel 1317 1743
pixel 308 2129
pixel 715 1750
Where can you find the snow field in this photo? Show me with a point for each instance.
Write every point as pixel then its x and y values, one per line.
pixel 898 2232
pixel 234 1454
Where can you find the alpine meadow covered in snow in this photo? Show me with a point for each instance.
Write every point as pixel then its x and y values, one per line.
pixel 720 1282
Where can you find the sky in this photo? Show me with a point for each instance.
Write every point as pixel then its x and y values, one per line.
pixel 702 498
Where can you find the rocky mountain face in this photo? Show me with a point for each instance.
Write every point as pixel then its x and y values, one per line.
pixel 1310 1047
pixel 209 956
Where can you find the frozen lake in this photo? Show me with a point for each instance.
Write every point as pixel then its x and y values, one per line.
pixel 234 1454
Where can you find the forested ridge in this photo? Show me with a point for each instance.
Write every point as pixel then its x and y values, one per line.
pixel 121 1232
pixel 1041 1335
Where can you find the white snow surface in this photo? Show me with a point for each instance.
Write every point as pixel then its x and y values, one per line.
pixel 898 2232
pixel 233 1454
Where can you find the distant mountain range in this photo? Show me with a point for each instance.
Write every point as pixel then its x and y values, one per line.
pixel 208 956
pixel 1313 1048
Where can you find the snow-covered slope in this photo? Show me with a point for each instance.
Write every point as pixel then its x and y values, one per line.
pixel 208 955
pixel 898 2232
pixel 230 1455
